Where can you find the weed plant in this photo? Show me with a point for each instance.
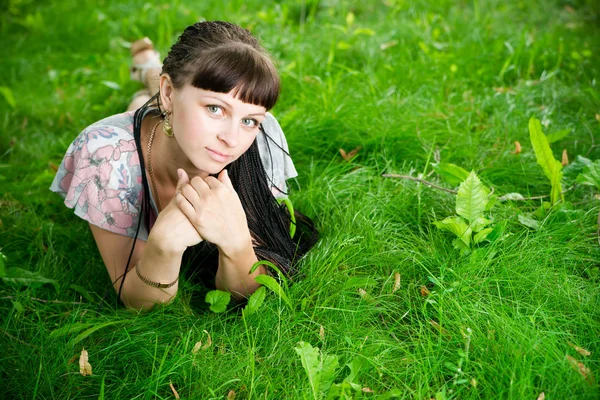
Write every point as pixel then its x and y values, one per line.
pixel 411 83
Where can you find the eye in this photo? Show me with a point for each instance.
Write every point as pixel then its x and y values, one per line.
pixel 213 109
pixel 250 122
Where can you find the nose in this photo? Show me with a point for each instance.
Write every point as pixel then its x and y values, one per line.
pixel 230 134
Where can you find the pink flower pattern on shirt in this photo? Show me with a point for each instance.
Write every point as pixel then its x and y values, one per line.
pixel 96 177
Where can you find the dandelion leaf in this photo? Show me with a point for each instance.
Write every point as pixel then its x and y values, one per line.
pixel 329 364
pixel 309 357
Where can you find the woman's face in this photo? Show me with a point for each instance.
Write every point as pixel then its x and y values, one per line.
pixel 212 129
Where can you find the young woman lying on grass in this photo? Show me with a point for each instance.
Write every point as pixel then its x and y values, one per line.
pixel 213 161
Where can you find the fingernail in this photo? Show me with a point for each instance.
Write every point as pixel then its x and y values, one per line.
pixel 178 173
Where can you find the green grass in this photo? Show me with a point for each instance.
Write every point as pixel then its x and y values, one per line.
pixel 457 82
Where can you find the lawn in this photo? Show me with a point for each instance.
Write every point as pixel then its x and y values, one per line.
pixel 388 304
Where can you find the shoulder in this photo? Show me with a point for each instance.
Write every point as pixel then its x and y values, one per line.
pixel 275 155
pixel 100 175
pixel 273 129
pixel 116 131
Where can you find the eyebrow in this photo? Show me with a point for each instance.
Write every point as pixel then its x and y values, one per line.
pixel 230 107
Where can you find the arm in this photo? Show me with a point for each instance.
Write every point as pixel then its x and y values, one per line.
pixel 157 263
pixel 158 260
pixel 233 272
pixel 214 209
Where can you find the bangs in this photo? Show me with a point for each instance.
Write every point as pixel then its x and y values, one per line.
pixel 241 68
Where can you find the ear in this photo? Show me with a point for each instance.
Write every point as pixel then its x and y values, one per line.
pixel 166 92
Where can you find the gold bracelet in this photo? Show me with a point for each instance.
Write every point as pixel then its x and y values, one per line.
pixel 153 283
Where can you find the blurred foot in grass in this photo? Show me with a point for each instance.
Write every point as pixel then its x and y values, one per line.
pixel 146 68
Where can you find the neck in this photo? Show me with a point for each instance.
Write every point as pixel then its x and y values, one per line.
pixel 167 157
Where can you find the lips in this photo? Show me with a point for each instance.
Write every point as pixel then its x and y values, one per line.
pixel 220 157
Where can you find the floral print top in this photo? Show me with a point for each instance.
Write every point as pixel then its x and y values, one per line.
pixel 100 175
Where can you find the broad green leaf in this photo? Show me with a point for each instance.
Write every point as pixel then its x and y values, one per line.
pixel 272 266
pixel 551 167
pixel 273 285
pixel 529 222
pixel 319 367
pixel 480 224
pixel 31 279
pixel 453 174
pixel 356 365
pixel 590 175
pixel 255 301
pixel 218 300
pixel 329 364
pixel 460 245
pixel 309 357
pixel 471 199
pixel 457 226
pixel 558 135
pixel 482 235
pixel 8 96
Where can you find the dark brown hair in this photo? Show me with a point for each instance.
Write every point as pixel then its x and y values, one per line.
pixel 221 57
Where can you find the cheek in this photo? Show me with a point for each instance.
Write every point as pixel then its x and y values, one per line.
pixel 246 146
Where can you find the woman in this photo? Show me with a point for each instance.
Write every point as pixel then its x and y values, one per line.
pixel 182 178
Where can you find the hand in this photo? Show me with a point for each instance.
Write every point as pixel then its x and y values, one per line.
pixel 215 210
pixel 172 230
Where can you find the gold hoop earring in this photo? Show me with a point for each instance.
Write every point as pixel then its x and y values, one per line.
pixel 167 128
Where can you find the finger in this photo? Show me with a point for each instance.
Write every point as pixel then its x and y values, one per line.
pixel 224 179
pixel 186 208
pixel 199 185
pixel 183 179
pixel 190 194
pixel 212 182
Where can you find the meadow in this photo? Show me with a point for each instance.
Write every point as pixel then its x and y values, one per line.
pixel 387 305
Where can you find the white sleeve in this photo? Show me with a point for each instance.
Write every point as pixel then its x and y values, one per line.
pixel 274 153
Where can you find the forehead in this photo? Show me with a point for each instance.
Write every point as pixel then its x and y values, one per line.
pixel 189 92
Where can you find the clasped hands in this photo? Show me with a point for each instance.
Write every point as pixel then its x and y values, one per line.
pixel 207 209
